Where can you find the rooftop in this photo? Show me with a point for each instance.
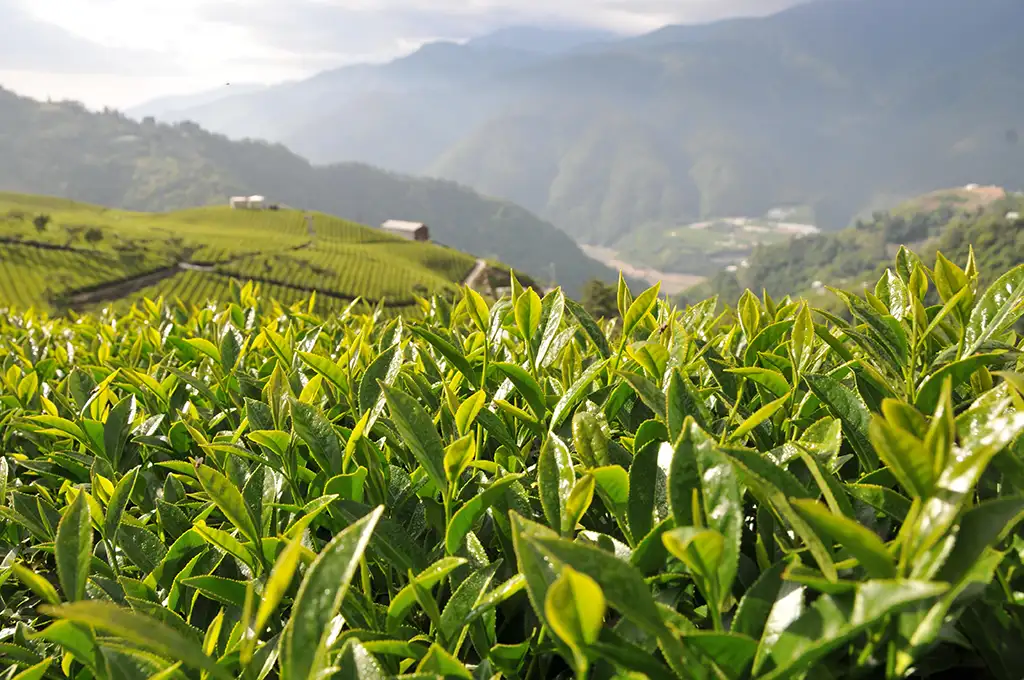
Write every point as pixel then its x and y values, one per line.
pixel 402 225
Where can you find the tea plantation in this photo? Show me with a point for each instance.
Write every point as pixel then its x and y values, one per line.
pixel 516 490
pixel 61 254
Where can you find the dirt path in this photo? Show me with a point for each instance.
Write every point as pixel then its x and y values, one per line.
pixel 473 278
pixel 108 292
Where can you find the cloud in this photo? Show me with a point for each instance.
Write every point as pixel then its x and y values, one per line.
pixel 169 46
pixel 28 43
pixel 321 28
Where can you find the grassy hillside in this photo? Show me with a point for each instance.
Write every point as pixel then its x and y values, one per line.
pixel 836 105
pixel 106 158
pixel 949 221
pixel 58 253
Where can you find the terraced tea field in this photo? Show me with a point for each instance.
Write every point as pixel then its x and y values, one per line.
pixel 59 254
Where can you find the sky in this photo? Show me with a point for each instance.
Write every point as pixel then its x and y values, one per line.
pixel 120 53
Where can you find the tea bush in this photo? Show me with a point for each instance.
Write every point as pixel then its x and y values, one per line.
pixel 517 490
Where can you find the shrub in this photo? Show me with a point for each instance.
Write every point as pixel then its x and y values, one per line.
pixel 252 491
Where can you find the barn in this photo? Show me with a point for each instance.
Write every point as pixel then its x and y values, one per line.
pixel 414 231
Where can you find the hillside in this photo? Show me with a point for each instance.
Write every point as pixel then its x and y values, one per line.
pixel 948 221
pixel 59 254
pixel 836 107
pixel 106 158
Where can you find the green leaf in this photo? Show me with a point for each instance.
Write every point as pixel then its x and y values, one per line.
pixel 527 313
pixel 117 504
pixel 450 352
pixel 803 334
pixel 418 432
pixel 575 393
pixel 468 411
pixel 455 616
pixel 477 307
pixel 851 411
pixel 575 608
pixel 622 584
pixel 832 620
pixel 405 599
pixel 356 663
pixel 682 401
pixel 316 431
pixel 206 347
pixel 761 415
pixel 589 327
pixel 526 385
pixel 463 520
pixel 772 380
pixel 905 456
pixel 278 583
pixel 576 505
pixel 115 429
pixel 73 549
pixel 684 474
pixel 959 371
pixel 700 550
pixel 643 480
pixel 36 583
pixel 996 310
pixel 755 608
pixel 58 425
pixel 591 438
pixel 319 599
pixel 458 456
pixel 981 527
pixel 138 629
pixel 349 486
pixel 552 311
pixel 223 590
pixel 78 640
pixel 864 545
pixel 279 346
pixel 228 500
pixel 326 368
pixel 438 662
pixel 613 487
pixel 640 308
pixel 648 392
pixel 35 672
pixel 729 652
pixel 555 479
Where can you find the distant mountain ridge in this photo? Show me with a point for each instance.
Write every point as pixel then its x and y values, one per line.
pixel 105 158
pixel 837 105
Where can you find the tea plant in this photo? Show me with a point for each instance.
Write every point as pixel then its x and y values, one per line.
pixel 517 490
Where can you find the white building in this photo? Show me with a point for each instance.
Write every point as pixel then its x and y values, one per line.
pixel 248 202
pixel 414 231
pixel 1013 216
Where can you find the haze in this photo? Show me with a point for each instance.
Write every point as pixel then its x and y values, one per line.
pixel 119 53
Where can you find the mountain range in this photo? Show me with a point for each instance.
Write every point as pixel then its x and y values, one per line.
pixel 839 106
pixel 62 149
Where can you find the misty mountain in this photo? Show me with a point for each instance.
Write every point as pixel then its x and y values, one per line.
pixel 106 158
pixel 842 106
pixel 546 40
pixel 171 107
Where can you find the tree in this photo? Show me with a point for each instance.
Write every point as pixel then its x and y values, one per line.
pixel 600 299
pixel 93 235
pixel 40 222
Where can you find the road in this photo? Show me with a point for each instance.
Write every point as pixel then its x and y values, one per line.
pixel 478 269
